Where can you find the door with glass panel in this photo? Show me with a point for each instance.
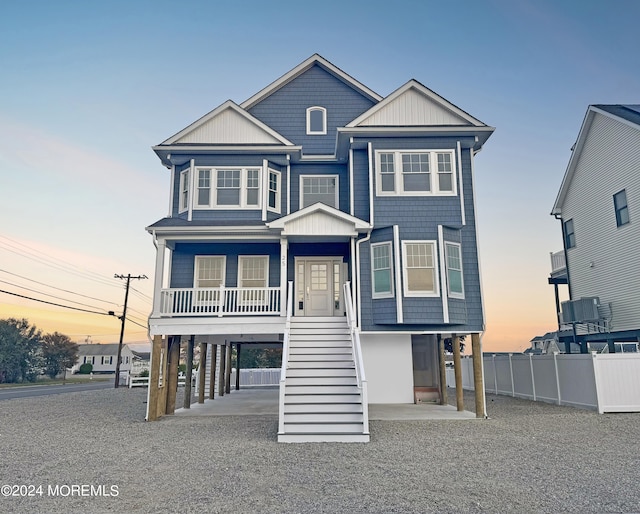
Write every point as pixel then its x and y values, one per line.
pixel 318 286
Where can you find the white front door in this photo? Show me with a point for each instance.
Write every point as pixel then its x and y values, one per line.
pixel 318 282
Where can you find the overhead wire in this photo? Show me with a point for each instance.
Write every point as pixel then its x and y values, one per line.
pixel 56 304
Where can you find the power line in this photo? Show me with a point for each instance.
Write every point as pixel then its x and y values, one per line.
pixel 110 313
pixel 131 321
pixel 50 295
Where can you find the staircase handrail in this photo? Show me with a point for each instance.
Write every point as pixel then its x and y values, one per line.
pixel 285 355
pixel 354 331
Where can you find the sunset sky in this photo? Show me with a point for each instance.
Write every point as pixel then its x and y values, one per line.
pixel 88 87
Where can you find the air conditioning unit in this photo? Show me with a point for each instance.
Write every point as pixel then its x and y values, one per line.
pixel 581 311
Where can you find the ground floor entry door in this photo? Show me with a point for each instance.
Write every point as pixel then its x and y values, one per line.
pixel 318 286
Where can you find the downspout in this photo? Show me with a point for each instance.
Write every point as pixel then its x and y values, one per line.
pixel 358 288
pixel 472 154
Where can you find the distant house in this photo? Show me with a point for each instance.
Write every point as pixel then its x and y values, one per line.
pixel 550 343
pixel 103 357
pixel 140 362
pixel 598 206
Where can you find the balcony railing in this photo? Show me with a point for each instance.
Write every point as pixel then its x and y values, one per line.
pixel 558 262
pixel 220 301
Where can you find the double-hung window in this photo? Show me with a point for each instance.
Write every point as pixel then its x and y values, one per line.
pixel 273 200
pixel 319 188
pixel 569 234
pixel 228 188
pixel 381 270
pixel 455 282
pixel 420 268
pixel 184 190
pixel 415 172
pixel 253 278
pixel 621 208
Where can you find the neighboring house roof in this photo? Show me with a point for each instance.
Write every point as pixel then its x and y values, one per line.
pixel 98 349
pixel 145 356
pixel 314 60
pixel 626 114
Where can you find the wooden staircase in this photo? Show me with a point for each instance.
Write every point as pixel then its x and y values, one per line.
pixel 322 400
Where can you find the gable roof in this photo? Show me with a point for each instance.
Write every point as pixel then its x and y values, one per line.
pixel 99 349
pixel 314 60
pixel 228 124
pixel 414 104
pixel 627 114
pixel 320 220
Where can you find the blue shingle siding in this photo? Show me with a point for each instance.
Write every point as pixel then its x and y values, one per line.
pixel 286 110
pixel 183 260
pixel 361 184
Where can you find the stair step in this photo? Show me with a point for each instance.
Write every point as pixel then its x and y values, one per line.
pixel 295 343
pixel 294 357
pixel 340 331
pixel 320 389
pixel 320 337
pixel 311 350
pixel 310 399
pixel 305 363
pixel 323 438
pixel 323 417
pixel 308 373
pixel 321 381
pixel 326 408
pixel 324 428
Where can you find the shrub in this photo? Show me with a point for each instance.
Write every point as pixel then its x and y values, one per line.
pixel 144 373
pixel 86 368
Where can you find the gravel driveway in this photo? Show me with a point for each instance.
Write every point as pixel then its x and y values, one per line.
pixel 529 457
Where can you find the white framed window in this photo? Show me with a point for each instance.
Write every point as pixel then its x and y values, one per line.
pixel 183 204
pixel 621 207
pixel 415 172
pixel 209 271
pixel 381 270
pixel 253 272
pixel 316 121
pixel 420 268
pixel 319 188
pixel 455 280
pixel 227 188
pixel 273 198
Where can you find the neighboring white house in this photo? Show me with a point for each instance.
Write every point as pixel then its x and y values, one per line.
pixel 141 362
pixel 103 357
pixel 599 207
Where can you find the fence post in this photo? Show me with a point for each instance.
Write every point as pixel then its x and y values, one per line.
pixel 555 364
pixel 596 369
pixel 533 378
pixel 495 375
pixel 513 386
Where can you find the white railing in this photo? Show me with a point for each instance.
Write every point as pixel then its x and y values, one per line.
pixel 220 301
pixel 558 261
pixel 285 357
pixel 357 354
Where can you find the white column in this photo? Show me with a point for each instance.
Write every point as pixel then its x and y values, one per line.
pixel 159 276
pixel 284 255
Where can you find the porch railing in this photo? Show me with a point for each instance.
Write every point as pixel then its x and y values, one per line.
pixel 357 353
pixel 220 301
pixel 558 262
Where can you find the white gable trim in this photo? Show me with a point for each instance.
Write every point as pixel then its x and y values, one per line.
pixel 413 86
pixel 577 151
pixel 269 135
pixel 320 220
pixel 299 70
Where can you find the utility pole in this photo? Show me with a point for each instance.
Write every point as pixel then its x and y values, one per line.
pixel 123 318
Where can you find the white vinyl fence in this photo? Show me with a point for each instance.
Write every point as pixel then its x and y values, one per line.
pixel 603 382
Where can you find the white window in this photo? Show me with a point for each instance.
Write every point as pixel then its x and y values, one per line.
pixel 316 121
pixel 227 188
pixel 184 191
pixel 420 270
pixel 381 270
pixel 273 202
pixel 319 188
pixel 415 172
pixel 253 271
pixel 455 281
pixel 209 270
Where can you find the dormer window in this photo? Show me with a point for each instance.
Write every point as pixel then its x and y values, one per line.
pixel 316 121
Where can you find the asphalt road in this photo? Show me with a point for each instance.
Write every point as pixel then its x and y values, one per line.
pixel 43 390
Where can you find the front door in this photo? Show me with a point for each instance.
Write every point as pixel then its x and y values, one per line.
pixel 318 282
